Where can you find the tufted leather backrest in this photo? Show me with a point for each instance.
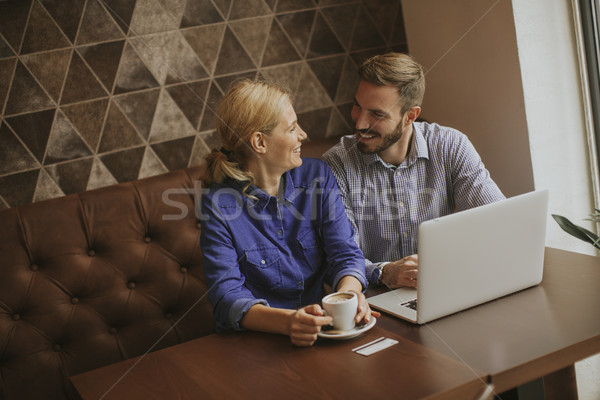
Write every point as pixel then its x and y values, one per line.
pixel 94 278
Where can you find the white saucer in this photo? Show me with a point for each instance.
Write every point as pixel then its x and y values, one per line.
pixel 336 334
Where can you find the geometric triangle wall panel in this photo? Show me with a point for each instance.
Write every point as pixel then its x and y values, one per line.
pixel 97 25
pixel 96 92
pixel 13 19
pixel 26 95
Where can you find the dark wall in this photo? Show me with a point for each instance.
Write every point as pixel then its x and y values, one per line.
pixel 95 92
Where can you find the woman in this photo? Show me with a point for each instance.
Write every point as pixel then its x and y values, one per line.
pixel 274 228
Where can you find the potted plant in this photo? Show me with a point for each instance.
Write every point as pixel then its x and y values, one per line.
pixel 578 231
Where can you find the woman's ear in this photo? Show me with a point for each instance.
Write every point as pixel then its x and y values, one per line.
pixel 257 142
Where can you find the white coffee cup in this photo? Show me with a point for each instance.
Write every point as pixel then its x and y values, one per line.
pixel 342 307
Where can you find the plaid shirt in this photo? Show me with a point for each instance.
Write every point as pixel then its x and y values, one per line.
pixel 442 173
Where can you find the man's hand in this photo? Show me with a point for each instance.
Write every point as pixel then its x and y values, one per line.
pixel 401 273
pixel 305 323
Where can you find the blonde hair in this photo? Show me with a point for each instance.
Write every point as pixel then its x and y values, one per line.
pixel 248 107
pixel 398 70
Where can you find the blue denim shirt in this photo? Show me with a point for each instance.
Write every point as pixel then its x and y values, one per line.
pixel 276 253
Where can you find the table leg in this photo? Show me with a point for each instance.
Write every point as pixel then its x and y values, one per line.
pixel 561 384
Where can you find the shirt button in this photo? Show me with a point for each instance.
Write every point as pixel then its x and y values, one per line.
pixel 401 204
pixel 280 232
pixel 299 283
pixel 263 262
pixel 404 235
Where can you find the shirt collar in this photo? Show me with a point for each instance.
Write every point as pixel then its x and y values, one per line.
pixel 262 198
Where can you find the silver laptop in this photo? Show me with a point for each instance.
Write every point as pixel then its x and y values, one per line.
pixel 472 257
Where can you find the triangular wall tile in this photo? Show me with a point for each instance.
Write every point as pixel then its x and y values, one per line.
pixel 124 165
pixel 42 33
pixel 7 67
pixel 81 84
pixel 232 58
pixel 133 74
pixel 310 94
pixel 294 5
pixel 50 69
pixel 398 32
pixel 328 71
pixel 151 165
pixel 175 154
pixel 279 49
pixel 26 95
pixel 200 12
pixel 383 13
pixel 64 143
pixel 149 16
pixel 19 188
pixel 365 35
pixel 71 177
pixel 104 60
pixel 169 57
pixel 206 42
pixel 118 132
pixel 338 125
pixel 315 122
pixel 66 16
pixel 13 19
pixel 223 5
pixel 252 34
pixel 212 101
pixel 349 82
pixel 323 42
pixel 287 75
pixel 34 130
pixel 46 188
pixel 225 82
pixel 88 118
pixel 201 149
pixel 100 176
pixel 169 121
pixel 298 27
pixel 342 19
pixel 345 111
pixel 14 156
pixel 248 9
pixel 190 97
pixel 139 107
pixel 121 11
pixel 5 50
pixel 97 25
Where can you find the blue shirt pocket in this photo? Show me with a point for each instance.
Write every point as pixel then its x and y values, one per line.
pixel 312 248
pixel 263 267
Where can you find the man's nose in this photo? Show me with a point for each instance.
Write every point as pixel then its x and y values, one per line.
pixel 361 122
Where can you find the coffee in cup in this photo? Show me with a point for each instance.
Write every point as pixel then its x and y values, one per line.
pixel 342 307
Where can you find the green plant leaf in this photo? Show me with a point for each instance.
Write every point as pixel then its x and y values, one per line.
pixel 577 231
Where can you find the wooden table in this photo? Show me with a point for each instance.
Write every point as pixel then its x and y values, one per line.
pixel 539 332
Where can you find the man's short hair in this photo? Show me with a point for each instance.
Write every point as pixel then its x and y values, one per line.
pixel 398 70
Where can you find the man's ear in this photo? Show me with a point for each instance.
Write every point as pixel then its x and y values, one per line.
pixel 257 142
pixel 412 114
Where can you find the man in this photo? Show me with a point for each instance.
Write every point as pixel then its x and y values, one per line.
pixel 395 173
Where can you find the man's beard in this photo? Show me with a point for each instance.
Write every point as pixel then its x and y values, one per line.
pixel 388 140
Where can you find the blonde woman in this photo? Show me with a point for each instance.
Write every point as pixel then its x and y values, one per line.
pixel 274 228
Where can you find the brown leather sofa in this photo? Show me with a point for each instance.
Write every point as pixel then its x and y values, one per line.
pixel 94 278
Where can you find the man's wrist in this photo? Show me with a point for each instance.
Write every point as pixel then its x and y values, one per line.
pixel 379 267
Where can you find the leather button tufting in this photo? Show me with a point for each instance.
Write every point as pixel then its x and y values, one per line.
pixel 56 347
pixel 113 331
pixel 33 267
pixel 74 300
pixel 199 225
pixel 131 285
pixel 147 239
pixel 183 270
pixel 91 253
pixel 168 315
pixel 16 317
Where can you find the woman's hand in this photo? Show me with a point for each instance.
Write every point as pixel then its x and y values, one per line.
pixel 306 323
pixel 363 312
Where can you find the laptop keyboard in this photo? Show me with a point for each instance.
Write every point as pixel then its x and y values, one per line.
pixel 411 304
